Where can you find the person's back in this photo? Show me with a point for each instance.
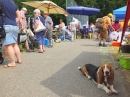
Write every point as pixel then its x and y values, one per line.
pixel 106 22
pixel 48 21
pixel 9 11
pixel 73 26
pixel 104 30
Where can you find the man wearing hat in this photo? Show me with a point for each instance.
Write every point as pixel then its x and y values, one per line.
pixel 49 27
pixel 104 30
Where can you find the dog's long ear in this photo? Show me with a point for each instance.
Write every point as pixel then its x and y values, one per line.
pixel 111 77
pixel 100 76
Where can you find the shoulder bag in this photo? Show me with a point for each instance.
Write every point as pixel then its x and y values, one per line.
pixel 2 30
pixel 40 27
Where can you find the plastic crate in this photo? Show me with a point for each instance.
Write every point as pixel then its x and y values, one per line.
pixel 114 43
pixel 124 60
pixel 46 42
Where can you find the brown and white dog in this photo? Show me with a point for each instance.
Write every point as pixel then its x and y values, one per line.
pixel 103 76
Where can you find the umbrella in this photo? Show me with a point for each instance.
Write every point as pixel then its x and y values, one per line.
pixel 80 10
pixel 46 6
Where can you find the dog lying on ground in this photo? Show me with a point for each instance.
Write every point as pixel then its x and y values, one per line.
pixel 103 76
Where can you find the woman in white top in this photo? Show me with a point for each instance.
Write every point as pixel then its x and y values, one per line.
pixel 62 27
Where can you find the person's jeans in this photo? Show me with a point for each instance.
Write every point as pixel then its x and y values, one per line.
pixel 40 38
pixel 68 37
pixel 63 33
pixel 61 37
pixel 74 35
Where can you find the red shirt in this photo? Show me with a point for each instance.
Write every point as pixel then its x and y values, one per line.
pixel 116 26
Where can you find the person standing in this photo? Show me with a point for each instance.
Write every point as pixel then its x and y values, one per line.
pixel 104 30
pixel 39 35
pixel 22 24
pixel 73 29
pixel 49 27
pixel 12 15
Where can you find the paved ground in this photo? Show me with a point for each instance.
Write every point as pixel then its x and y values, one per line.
pixel 55 73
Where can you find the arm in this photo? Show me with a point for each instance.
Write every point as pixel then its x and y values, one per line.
pixel 36 23
pixel 17 16
pixel 51 26
pixel 110 24
pixel 119 28
pixel 19 19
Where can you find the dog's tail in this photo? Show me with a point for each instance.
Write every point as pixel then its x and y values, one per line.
pixel 79 68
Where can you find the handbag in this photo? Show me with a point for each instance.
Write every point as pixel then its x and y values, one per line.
pixel 29 31
pixel 40 27
pixel 2 30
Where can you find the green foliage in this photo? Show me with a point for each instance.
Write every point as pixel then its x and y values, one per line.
pixel 106 6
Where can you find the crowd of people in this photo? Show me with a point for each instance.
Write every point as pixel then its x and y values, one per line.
pixel 17 25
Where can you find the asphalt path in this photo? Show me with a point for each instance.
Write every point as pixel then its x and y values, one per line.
pixel 55 73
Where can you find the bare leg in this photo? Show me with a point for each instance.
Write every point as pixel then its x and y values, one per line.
pixel 17 52
pixel 26 43
pixel 104 40
pixel 4 51
pixel 11 54
pixel 41 48
pixel 51 42
pixel 100 40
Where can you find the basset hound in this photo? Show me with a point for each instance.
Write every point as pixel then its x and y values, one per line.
pixel 103 76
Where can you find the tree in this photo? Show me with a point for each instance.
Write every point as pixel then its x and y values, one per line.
pixel 106 6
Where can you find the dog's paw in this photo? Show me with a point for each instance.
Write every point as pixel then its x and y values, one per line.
pixel 114 92
pixel 79 68
pixel 108 92
pixel 89 78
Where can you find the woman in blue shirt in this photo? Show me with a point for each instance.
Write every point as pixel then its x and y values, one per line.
pixel 10 41
pixel 39 35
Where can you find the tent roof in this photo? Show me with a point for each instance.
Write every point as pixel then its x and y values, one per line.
pixel 81 10
pixel 120 13
pixel 120 10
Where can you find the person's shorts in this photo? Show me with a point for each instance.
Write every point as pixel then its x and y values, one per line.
pixel 11 34
pixel 49 34
pixel 103 33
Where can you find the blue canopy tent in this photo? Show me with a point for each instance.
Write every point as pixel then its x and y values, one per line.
pixel 120 13
pixel 80 10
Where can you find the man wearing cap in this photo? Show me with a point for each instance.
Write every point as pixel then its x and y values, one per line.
pixel 22 28
pixel 104 30
pixel 49 27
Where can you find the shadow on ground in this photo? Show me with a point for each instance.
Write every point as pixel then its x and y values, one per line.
pixel 69 82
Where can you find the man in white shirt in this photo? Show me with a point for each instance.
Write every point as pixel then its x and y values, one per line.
pixel 73 25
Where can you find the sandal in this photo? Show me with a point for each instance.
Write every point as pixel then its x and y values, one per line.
pixel 19 62
pixel 40 52
pixel 6 66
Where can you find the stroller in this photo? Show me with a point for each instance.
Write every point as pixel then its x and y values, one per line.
pixel 26 36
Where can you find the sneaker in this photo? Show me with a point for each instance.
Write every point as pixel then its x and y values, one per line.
pixel 104 45
pixel 100 44
pixel 50 46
